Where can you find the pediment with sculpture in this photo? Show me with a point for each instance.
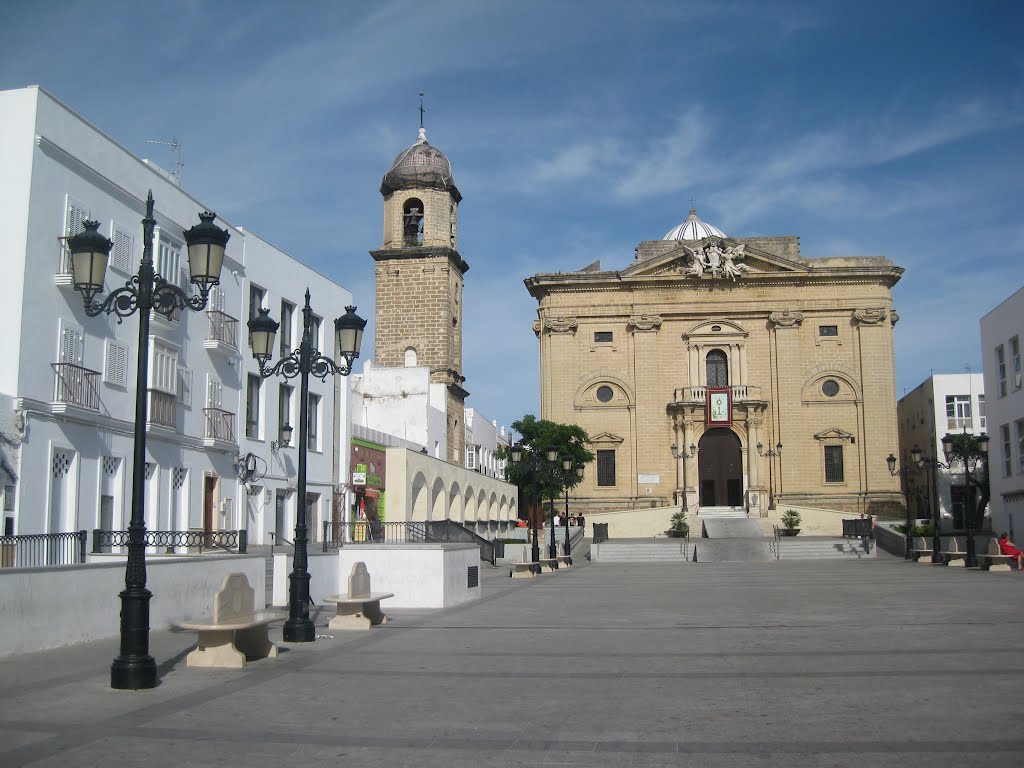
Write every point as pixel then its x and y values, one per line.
pixel 712 258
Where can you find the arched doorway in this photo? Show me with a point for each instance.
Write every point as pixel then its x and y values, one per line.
pixel 720 469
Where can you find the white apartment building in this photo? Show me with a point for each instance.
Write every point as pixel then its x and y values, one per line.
pixel 214 458
pixel 942 403
pixel 483 438
pixel 1002 330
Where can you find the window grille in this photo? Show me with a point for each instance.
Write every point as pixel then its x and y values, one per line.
pixel 834 464
pixel 606 468
pixel 717 367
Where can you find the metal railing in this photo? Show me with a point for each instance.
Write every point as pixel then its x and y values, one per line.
pixel 773 542
pixel 740 392
pixel 220 425
pixel 223 328
pixel 39 549
pixel 75 385
pixel 171 541
pixel 277 541
pixel 414 532
pixel 163 409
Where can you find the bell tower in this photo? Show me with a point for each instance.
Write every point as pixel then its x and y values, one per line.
pixel 420 275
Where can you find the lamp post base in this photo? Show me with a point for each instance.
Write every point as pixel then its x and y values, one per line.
pixel 133 674
pixel 134 668
pixel 299 631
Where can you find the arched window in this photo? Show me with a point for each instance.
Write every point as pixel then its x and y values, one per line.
pixel 717 368
pixel 410 358
pixel 412 222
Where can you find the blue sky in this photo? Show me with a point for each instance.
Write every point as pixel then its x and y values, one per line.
pixel 866 128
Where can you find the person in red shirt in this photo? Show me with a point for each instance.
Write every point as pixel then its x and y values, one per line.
pixel 1007 548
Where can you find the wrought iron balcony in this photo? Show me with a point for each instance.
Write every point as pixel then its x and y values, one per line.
pixel 223 330
pixel 163 409
pixel 220 425
pixel 75 385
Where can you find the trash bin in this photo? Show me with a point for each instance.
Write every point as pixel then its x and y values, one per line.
pixel 499 548
pixel 600 532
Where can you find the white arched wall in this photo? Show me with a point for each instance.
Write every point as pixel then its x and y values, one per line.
pixel 421 487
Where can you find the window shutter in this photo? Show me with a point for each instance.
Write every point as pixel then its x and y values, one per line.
pixel 121 254
pixel 214 392
pixel 217 298
pixel 115 368
pixel 75 216
pixel 71 345
pixel 185 386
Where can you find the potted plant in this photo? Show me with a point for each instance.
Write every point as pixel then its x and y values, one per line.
pixel 790 522
pixel 679 527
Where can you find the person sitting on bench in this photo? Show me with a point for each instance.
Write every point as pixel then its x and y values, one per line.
pixel 1008 548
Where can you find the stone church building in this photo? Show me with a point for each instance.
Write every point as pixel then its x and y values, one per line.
pixel 725 372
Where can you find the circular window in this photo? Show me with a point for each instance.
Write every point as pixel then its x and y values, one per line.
pixel 716 328
pixel 830 388
pixel 604 394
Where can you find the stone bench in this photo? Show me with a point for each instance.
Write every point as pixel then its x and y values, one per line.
pixel 953 554
pixel 993 558
pixel 235 632
pixel 548 563
pixel 523 570
pixel 360 608
pixel 920 550
pixel 565 560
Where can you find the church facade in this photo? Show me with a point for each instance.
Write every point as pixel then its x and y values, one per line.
pixel 725 372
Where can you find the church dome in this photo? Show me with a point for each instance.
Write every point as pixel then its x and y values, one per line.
pixel 419 166
pixel 693 229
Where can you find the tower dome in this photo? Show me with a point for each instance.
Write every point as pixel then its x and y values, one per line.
pixel 420 166
pixel 693 229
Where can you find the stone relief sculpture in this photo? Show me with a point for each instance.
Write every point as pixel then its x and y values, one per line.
pixel 869 316
pixel 786 318
pixel 645 322
pixel 894 317
pixel 561 324
pixel 720 263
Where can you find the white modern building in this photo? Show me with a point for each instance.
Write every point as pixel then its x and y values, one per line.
pixel 1002 330
pixel 216 458
pixel 942 403
pixel 403 403
pixel 483 439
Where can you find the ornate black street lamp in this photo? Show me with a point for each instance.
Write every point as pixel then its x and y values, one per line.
pixel 930 466
pixel 302 362
pixel 682 454
pixel 958 451
pixel 567 465
pixel 539 468
pixel 146 291
pixel 904 472
pixel 770 455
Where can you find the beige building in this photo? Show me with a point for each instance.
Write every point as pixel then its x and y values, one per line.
pixel 419 279
pixel 773 374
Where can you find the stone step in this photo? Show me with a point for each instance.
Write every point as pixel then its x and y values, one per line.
pixel 721 512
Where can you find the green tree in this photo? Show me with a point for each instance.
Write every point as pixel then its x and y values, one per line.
pixel 536 477
pixel 967 450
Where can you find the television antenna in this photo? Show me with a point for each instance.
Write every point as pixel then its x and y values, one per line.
pixel 175 146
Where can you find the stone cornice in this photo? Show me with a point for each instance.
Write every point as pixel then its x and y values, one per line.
pixel 421 252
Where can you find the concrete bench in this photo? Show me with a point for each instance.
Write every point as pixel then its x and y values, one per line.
pixel 920 550
pixel 993 558
pixel 953 554
pixel 565 560
pixel 548 563
pixel 360 608
pixel 235 631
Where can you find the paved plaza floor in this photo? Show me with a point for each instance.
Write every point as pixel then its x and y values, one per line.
pixel 870 663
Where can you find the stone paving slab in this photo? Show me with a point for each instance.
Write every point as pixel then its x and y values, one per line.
pixel 878 663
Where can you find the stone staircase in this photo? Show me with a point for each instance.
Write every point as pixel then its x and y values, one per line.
pixel 708 512
pixel 662 550
pixel 825 548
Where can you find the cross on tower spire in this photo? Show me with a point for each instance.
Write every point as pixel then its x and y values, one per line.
pixel 421 110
